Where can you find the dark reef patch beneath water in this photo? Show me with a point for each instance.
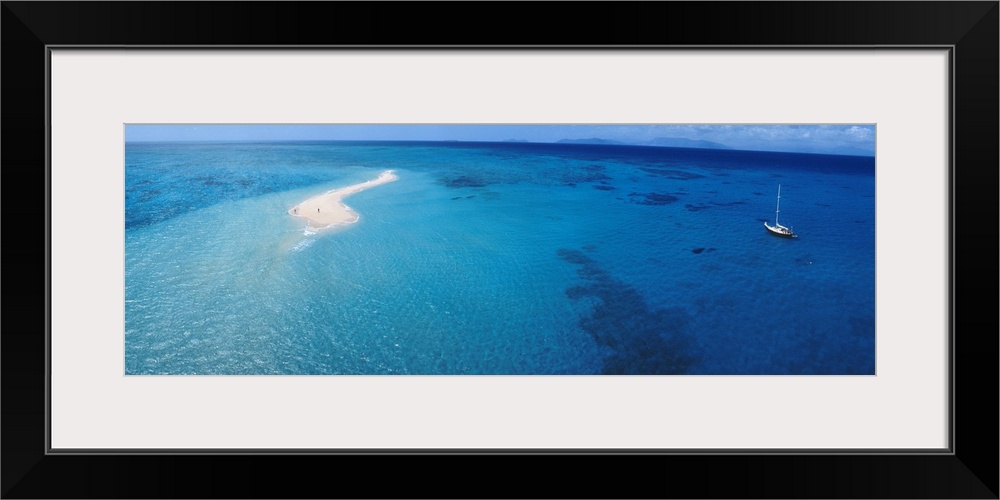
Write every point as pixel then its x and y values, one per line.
pixel 174 193
pixel 464 181
pixel 703 206
pixel 679 175
pixel 643 341
pixel 652 198
pixel 572 177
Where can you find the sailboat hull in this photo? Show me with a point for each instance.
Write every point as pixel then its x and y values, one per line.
pixel 781 231
pixel 777 229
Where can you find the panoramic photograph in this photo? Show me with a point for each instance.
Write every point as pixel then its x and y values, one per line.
pixel 551 249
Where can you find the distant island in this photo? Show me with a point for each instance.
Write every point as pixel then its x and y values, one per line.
pixel 677 142
pixel 592 140
pixel 663 142
pixel 666 142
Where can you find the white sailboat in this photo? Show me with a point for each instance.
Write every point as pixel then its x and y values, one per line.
pixel 777 229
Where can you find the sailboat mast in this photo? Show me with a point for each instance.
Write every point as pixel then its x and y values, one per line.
pixel 778 207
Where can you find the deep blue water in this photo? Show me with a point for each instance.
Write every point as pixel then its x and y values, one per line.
pixel 497 258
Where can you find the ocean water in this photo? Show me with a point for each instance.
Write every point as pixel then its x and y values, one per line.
pixel 498 259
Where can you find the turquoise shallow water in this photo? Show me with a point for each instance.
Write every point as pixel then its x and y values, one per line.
pixel 497 259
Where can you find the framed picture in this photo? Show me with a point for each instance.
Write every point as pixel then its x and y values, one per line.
pixel 597 243
pixel 557 252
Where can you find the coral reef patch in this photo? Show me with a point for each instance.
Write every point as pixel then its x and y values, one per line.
pixel 642 340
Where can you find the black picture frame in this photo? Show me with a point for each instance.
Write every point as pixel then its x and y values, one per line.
pixel 970 29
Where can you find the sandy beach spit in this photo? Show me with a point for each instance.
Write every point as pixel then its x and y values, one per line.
pixel 328 209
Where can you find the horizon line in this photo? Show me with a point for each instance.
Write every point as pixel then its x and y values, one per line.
pixel 569 142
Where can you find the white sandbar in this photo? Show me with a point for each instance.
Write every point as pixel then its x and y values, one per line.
pixel 328 210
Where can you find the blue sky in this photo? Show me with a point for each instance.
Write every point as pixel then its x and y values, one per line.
pixel 825 139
